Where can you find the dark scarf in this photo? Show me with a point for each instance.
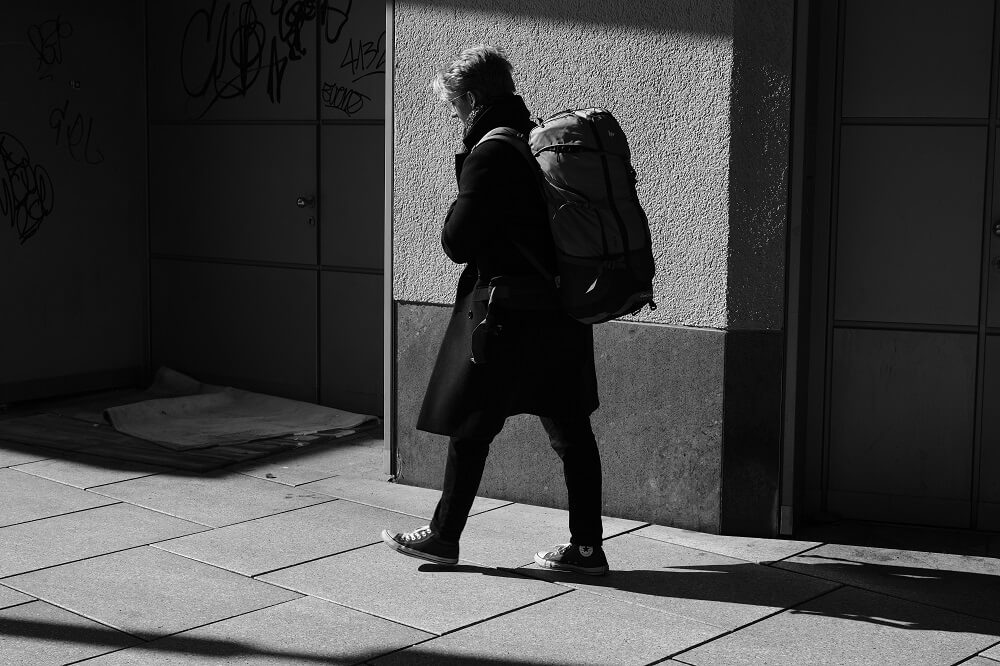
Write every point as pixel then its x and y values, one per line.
pixel 507 111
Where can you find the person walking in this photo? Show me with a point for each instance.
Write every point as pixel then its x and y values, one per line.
pixel 508 348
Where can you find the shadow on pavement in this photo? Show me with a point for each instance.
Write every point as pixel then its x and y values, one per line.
pixel 209 648
pixel 970 594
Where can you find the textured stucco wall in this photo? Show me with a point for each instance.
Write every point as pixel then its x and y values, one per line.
pixel 663 67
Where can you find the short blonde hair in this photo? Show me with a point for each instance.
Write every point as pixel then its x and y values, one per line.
pixel 480 69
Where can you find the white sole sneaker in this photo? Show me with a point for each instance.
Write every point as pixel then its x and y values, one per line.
pixel 413 552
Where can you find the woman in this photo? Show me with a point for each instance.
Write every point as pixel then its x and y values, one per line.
pixel 508 348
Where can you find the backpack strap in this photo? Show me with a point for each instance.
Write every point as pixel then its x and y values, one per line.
pixel 516 140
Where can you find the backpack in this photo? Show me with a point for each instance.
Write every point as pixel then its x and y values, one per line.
pixel 603 245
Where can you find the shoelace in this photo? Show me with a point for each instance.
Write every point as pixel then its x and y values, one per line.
pixel 560 549
pixel 417 534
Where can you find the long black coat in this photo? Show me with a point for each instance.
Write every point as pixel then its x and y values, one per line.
pixel 544 360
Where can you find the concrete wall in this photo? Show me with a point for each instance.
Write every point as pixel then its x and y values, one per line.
pixel 691 393
pixel 663 69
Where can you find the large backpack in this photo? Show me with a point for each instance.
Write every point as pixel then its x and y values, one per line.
pixel 603 245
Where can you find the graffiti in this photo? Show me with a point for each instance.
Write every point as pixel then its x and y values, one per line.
pixel 365 58
pixel 47 38
pixel 236 45
pixel 75 132
pixel 333 17
pixel 25 189
pixel 226 47
pixel 345 99
pixel 292 17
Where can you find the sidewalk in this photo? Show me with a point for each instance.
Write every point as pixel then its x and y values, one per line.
pixel 279 561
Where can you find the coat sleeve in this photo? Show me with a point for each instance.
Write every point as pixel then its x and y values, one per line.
pixel 483 197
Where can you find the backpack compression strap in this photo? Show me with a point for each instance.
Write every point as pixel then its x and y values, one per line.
pixel 516 140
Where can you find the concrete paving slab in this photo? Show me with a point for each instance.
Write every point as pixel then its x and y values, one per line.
pixel 397 497
pixel 75 536
pixel 980 661
pixel 993 652
pixel 81 471
pixel 9 597
pixel 39 633
pixel 714 589
pixel 742 548
pixel 964 583
pixel 16 454
pixel 431 598
pixel 303 631
pixel 601 631
pixel 850 626
pixel 511 535
pixel 211 500
pixel 265 544
pixel 148 592
pixel 24 497
pixel 353 457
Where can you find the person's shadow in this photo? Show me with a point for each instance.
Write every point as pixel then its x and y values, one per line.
pixel 885 594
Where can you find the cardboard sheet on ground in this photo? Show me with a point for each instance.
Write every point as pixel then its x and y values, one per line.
pixel 206 415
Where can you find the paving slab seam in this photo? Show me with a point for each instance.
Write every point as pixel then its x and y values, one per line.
pixel 67 513
pixel 110 483
pixel 798 554
pixel 375 506
pixel 151 544
pixel 426 631
pixel 91 619
pixel 569 590
pixel 146 641
pixel 411 515
pixel 710 552
pixel 890 595
pixel 141 506
pixel 288 485
pixel 480 513
pixel 296 564
pixel 628 531
pixel 987 649
pixel 750 624
pixel 20 603
pixel 238 522
pixel 606 596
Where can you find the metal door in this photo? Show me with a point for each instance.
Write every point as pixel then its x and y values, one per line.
pixel 266 144
pixel 911 351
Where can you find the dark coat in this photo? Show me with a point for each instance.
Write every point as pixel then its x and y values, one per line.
pixel 543 362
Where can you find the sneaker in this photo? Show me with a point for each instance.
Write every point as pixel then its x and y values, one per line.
pixel 422 543
pixel 570 557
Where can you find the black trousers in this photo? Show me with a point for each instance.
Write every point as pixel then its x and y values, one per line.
pixel 574 442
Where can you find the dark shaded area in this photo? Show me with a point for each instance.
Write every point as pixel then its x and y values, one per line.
pixel 751 433
pixel 759 157
pixel 970 596
pixel 211 647
pixel 74 429
pixel 760 122
pixel 903 537
pixel 711 17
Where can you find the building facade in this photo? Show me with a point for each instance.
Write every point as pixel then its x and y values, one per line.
pixel 819 177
